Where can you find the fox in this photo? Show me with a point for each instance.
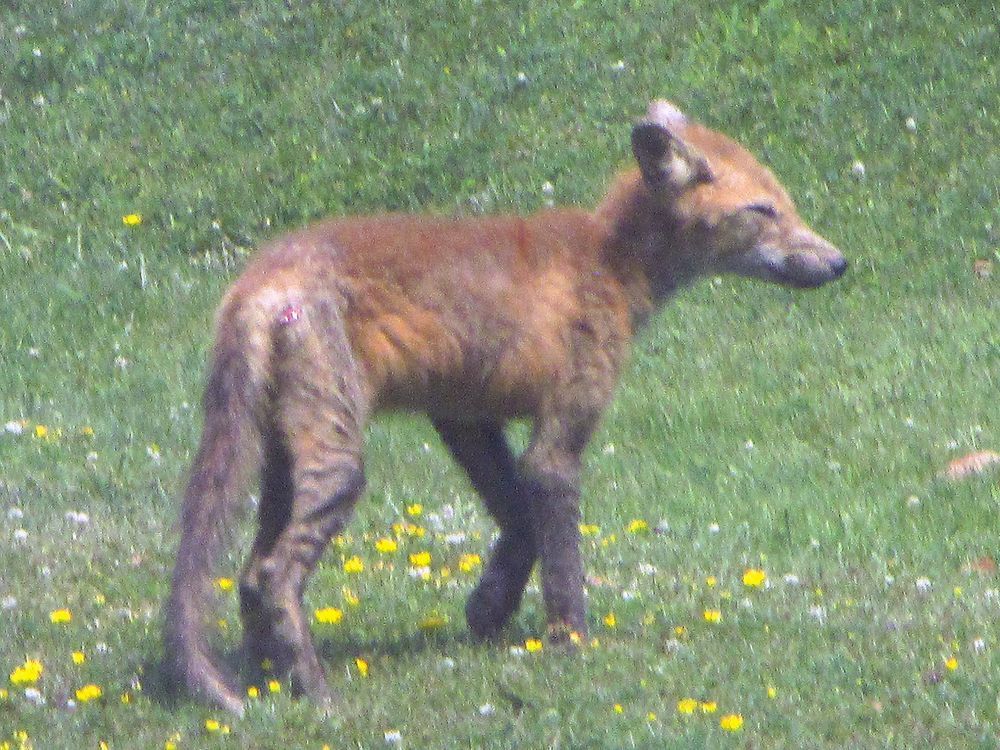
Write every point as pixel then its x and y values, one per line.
pixel 474 321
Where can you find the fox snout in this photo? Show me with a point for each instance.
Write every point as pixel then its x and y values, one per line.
pixel 808 261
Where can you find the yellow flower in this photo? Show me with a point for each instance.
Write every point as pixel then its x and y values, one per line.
pixel 125 698
pixel 731 722
pixel 385 546
pixel 772 692
pixel 79 657
pixel 687 706
pixel 212 725
pixel 274 686
pixel 610 620
pixel 224 584
pixel 28 673
pixel 132 220
pixel 350 597
pixel 432 622
pixel 87 431
pixel 709 707
pixel 420 559
pixel 328 615
pixel 253 691
pixel 637 525
pixel 415 510
pixel 680 631
pixel 754 578
pixel 618 708
pixel 353 565
pixel 951 664
pixel 468 563
pixel 362 666
pixel 711 581
pixel 4 695
pixel 41 431
pixel 589 529
pixel 60 616
pixel 89 693
pixel 651 716
pixel 712 615
pixel 532 645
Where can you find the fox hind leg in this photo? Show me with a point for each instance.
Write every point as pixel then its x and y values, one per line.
pixel 481 450
pixel 312 477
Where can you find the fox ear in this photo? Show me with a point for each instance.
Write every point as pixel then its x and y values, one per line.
pixel 665 159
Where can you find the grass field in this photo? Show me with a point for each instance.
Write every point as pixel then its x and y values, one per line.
pixel 798 434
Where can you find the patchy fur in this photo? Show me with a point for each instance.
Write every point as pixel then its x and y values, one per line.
pixel 473 321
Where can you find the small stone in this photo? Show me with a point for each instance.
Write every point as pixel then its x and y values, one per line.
pixel 858 169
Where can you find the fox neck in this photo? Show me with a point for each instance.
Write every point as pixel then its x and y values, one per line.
pixel 636 231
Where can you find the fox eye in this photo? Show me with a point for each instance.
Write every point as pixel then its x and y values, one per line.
pixel 764 209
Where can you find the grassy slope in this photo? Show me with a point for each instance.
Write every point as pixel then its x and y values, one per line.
pixel 223 126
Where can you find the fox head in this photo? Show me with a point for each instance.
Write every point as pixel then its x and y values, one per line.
pixel 720 210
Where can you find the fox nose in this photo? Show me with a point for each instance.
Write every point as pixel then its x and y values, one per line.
pixel 839 265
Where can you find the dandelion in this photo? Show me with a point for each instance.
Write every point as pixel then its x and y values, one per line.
pixel 637 526
pixel 79 657
pixel 711 581
pixel 224 584
pixel 385 546
pixel 687 706
pixel 350 598
pixel 253 692
pixel 353 565
pixel 772 692
pixel 4 695
pixel 125 698
pixel 362 666
pixel 132 220
pixel 432 622
pixel 712 615
pixel 60 616
pixel 28 673
pixel 651 716
pixel 754 578
pixel 414 510
pixel 212 725
pixel 328 615
pixel 610 620
pixel 618 708
pixel 274 686
pixel 731 722
pixel 532 645
pixel 89 693
pixel 41 431
pixel 709 707
pixel 468 563
pixel 87 431
pixel 420 559
pixel 589 529
pixel 951 664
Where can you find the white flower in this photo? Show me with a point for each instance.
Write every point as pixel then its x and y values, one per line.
pixel 913 501
pixel 14 428
pixel 8 602
pixel 979 645
pixel 858 169
pixel 818 613
pixel 487 709
pixel 646 569
pixel 910 124
pixel 923 585
pixel 20 535
pixel 77 517
pixel 791 579
pixel 393 737
pixel 35 696
pixel 15 513
pixel 713 528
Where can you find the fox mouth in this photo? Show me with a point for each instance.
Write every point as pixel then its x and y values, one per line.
pixel 805 270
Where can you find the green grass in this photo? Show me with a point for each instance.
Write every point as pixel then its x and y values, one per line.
pixel 800 424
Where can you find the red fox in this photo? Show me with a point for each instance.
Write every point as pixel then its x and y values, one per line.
pixel 473 321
